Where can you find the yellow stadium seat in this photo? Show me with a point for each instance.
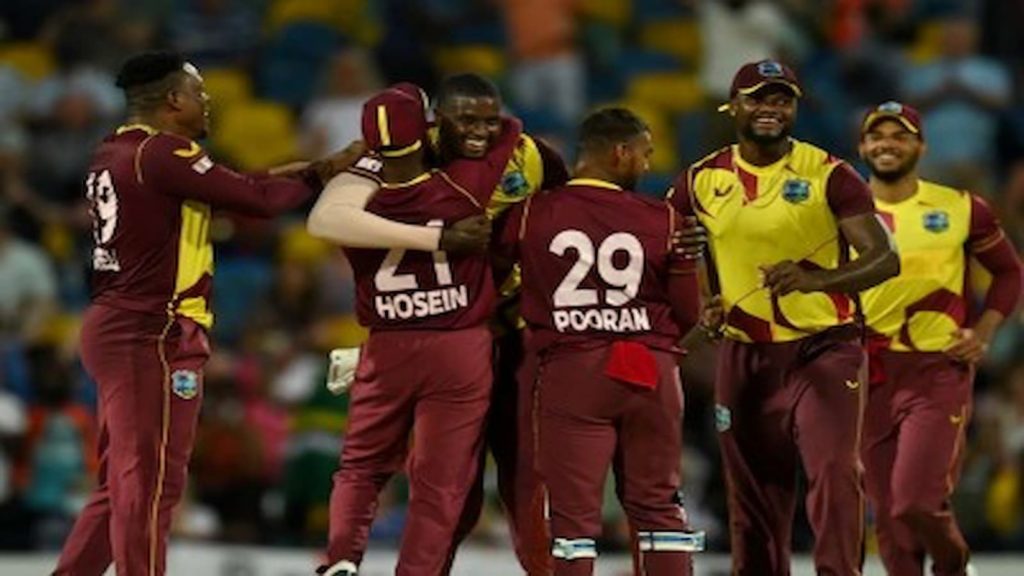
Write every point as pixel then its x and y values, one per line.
pixel 32 60
pixel 614 12
pixel 666 155
pixel 256 135
pixel 928 43
pixel 671 91
pixel 680 38
pixel 297 245
pixel 482 59
pixel 227 86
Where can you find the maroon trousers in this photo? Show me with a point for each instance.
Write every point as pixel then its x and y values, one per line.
pixel 148 370
pixel 588 423
pixel 779 405
pixel 511 439
pixel 435 385
pixel 913 447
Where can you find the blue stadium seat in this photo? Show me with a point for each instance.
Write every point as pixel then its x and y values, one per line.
pixel 294 60
pixel 650 10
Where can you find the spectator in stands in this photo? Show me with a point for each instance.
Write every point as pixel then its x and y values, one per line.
pixel 961 94
pixel 61 443
pixel 331 121
pixel 548 70
pixel 28 290
pixel 215 33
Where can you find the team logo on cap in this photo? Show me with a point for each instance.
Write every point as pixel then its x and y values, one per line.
pixel 890 107
pixel 796 191
pixel 936 221
pixel 185 384
pixel 770 69
pixel 723 418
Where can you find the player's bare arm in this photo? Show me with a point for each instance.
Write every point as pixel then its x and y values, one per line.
pixel 339 216
pixel 997 255
pixel 876 262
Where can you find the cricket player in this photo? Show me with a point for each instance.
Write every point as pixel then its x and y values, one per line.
pixel 790 390
pixel 468 123
pixel 426 367
pixel 606 300
pixel 924 344
pixel 151 189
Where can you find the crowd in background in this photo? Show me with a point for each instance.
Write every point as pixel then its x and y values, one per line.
pixel 288 78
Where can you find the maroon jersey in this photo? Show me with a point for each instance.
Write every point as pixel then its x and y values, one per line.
pixel 413 290
pixel 150 197
pixel 595 265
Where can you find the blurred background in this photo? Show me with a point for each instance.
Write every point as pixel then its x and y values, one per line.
pixel 288 78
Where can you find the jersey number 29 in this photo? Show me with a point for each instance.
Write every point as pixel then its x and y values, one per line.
pixel 624 281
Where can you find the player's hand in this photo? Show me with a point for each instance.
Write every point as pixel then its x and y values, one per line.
pixel 712 317
pixel 466 236
pixel 967 347
pixel 787 276
pixel 690 240
pixel 342 369
pixel 329 167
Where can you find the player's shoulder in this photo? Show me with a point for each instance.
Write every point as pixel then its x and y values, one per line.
pixel 809 159
pixel 368 166
pixel 720 159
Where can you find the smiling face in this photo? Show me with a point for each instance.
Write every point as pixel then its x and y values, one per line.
pixel 469 125
pixel 890 150
pixel 765 116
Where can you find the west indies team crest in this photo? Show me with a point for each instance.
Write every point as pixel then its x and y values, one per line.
pixel 185 384
pixel 514 184
pixel 796 190
pixel 936 221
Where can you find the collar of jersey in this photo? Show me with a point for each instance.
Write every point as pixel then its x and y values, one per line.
pixel 137 126
pixel 769 169
pixel 905 201
pixel 417 180
pixel 595 182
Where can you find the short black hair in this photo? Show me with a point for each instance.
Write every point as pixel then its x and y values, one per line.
pixel 468 84
pixel 146 77
pixel 608 127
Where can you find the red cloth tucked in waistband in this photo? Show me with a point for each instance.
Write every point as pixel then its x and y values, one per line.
pixel 632 363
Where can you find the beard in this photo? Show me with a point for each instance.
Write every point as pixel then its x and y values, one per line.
pixel 894 174
pixel 765 139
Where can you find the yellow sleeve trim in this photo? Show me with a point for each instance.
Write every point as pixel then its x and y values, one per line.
pixel 192 151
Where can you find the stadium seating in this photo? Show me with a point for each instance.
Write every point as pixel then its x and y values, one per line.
pixel 672 92
pixel 30 59
pixel 294 60
pixel 227 87
pixel 480 58
pixel 678 37
pixel 256 135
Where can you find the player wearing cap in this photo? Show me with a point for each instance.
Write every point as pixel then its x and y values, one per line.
pixel 424 310
pixel 606 300
pixel 780 215
pixel 923 347
pixel 151 189
pixel 468 123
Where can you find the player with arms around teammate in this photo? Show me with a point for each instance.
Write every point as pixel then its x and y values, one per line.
pixel 605 301
pixel 922 347
pixel 780 215
pixel 144 337
pixel 469 123
pixel 426 367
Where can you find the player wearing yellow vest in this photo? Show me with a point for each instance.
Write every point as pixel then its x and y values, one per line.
pixel 923 348
pixel 780 215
